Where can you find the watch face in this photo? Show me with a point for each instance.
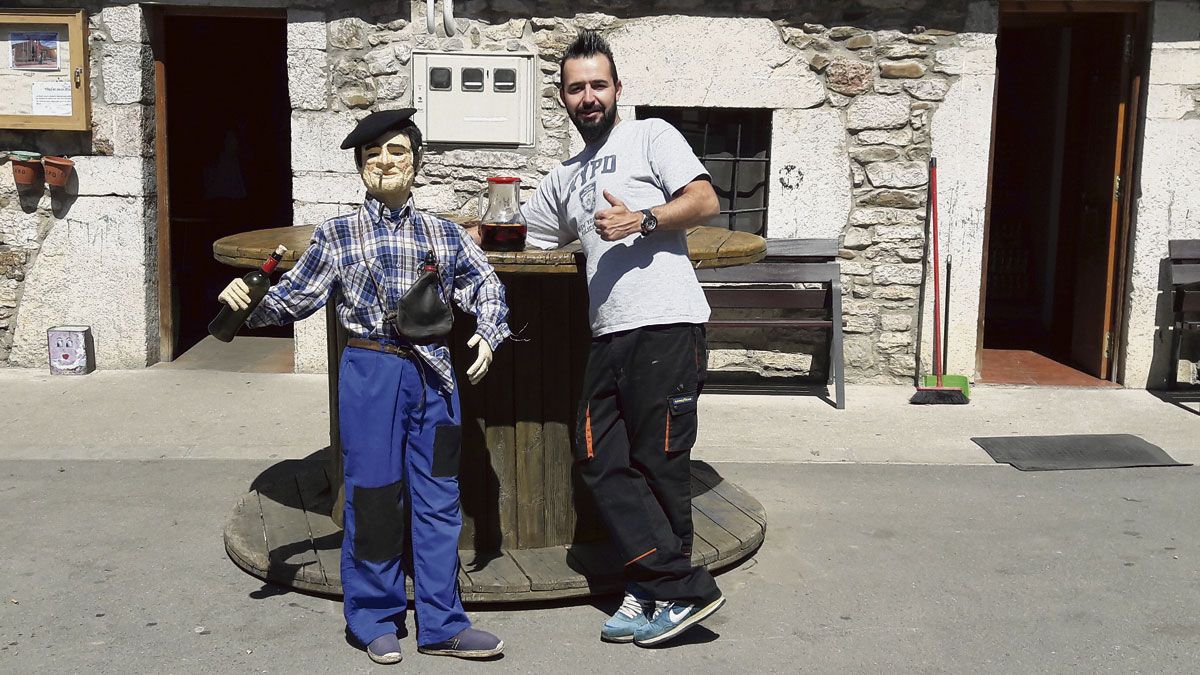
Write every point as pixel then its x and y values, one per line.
pixel 649 222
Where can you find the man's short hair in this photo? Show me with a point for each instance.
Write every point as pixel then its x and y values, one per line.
pixel 411 132
pixel 588 44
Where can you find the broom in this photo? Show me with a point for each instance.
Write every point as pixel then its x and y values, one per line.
pixel 938 393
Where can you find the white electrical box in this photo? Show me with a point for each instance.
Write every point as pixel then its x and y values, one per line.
pixel 486 98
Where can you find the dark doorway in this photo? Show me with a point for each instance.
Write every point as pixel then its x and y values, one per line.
pixel 228 168
pixel 1065 118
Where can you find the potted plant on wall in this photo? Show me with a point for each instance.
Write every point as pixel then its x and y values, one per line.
pixel 26 166
pixel 58 170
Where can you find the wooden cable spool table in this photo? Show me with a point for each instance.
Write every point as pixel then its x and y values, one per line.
pixel 529 531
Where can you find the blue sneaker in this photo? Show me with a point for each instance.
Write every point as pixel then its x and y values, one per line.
pixel 671 619
pixel 632 615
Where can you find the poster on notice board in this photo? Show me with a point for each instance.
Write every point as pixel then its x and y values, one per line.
pixel 33 50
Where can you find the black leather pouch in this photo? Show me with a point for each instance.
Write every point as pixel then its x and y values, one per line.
pixel 422 316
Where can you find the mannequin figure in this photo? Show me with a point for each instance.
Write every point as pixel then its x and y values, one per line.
pixel 398 400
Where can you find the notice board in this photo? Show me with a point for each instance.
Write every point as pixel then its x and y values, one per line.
pixel 44 70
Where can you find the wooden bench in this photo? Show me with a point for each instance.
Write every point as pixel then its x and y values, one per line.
pixel 1185 291
pixel 761 286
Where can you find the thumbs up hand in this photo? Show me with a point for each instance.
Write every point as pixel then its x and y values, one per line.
pixel 617 221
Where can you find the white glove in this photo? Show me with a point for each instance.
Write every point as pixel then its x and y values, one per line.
pixel 478 369
pixel 236 295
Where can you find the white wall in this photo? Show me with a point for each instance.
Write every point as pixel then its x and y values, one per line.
pixel 1169 203
pixel 810 175
pixel 961 135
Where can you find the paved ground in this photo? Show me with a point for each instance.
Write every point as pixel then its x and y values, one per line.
pixel 886 552
pixel 162 414
pixel 118 566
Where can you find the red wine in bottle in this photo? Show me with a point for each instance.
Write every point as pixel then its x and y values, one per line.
pixel 503 236
pixel 229 320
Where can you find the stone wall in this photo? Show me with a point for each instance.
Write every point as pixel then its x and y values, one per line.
pixel 890 89
pixel 343 68
pixel 861 93
pixel 854 87
pixel 85 254
pixel 851 129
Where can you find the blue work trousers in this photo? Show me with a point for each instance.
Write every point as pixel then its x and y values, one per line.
pixel 401 445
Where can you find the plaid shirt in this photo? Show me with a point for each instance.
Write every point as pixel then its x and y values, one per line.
pixel 376 245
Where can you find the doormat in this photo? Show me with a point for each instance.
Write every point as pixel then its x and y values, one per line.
pixel 1080 451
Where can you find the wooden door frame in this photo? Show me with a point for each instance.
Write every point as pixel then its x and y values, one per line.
pixel 155 22
pixel 1131 152
pixel 1139 66
pixel 1073 6
pixel 155 16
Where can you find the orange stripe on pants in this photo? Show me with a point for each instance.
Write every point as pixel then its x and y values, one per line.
pixel 640 557
pixel 587 430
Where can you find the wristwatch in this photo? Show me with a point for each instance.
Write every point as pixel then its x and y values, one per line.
pixel 649 222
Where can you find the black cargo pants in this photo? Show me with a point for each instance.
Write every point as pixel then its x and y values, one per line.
pixel 636 428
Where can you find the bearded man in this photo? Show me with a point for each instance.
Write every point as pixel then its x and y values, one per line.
pixel 629 198
pixel 397 398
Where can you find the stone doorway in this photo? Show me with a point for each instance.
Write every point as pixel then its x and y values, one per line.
pixel 1066 112
pixel 224 164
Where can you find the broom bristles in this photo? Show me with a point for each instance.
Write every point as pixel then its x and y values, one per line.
pixel 935 396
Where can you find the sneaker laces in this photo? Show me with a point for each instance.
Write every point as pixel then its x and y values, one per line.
pixel 632 606
pixel 659 606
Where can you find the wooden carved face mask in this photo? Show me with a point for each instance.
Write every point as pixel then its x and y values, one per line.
pixel 387 168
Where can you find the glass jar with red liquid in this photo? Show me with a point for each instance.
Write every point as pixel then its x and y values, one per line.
pixel 503 227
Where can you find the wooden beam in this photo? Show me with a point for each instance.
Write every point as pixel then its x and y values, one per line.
pixel 1072 6
pixel 224 12
pixel 166 305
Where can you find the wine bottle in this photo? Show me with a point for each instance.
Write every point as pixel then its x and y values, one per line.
pixel 229 320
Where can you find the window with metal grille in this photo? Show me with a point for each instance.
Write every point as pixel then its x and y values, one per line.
pixel 735 146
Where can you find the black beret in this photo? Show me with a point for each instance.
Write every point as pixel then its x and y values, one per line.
pixel 374 125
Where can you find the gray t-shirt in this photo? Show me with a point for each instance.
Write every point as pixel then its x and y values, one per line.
pixel 637 281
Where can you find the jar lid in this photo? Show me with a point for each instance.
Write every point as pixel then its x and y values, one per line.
pixel 504 179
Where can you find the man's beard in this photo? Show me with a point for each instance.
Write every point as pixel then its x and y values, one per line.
pixel 591 131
